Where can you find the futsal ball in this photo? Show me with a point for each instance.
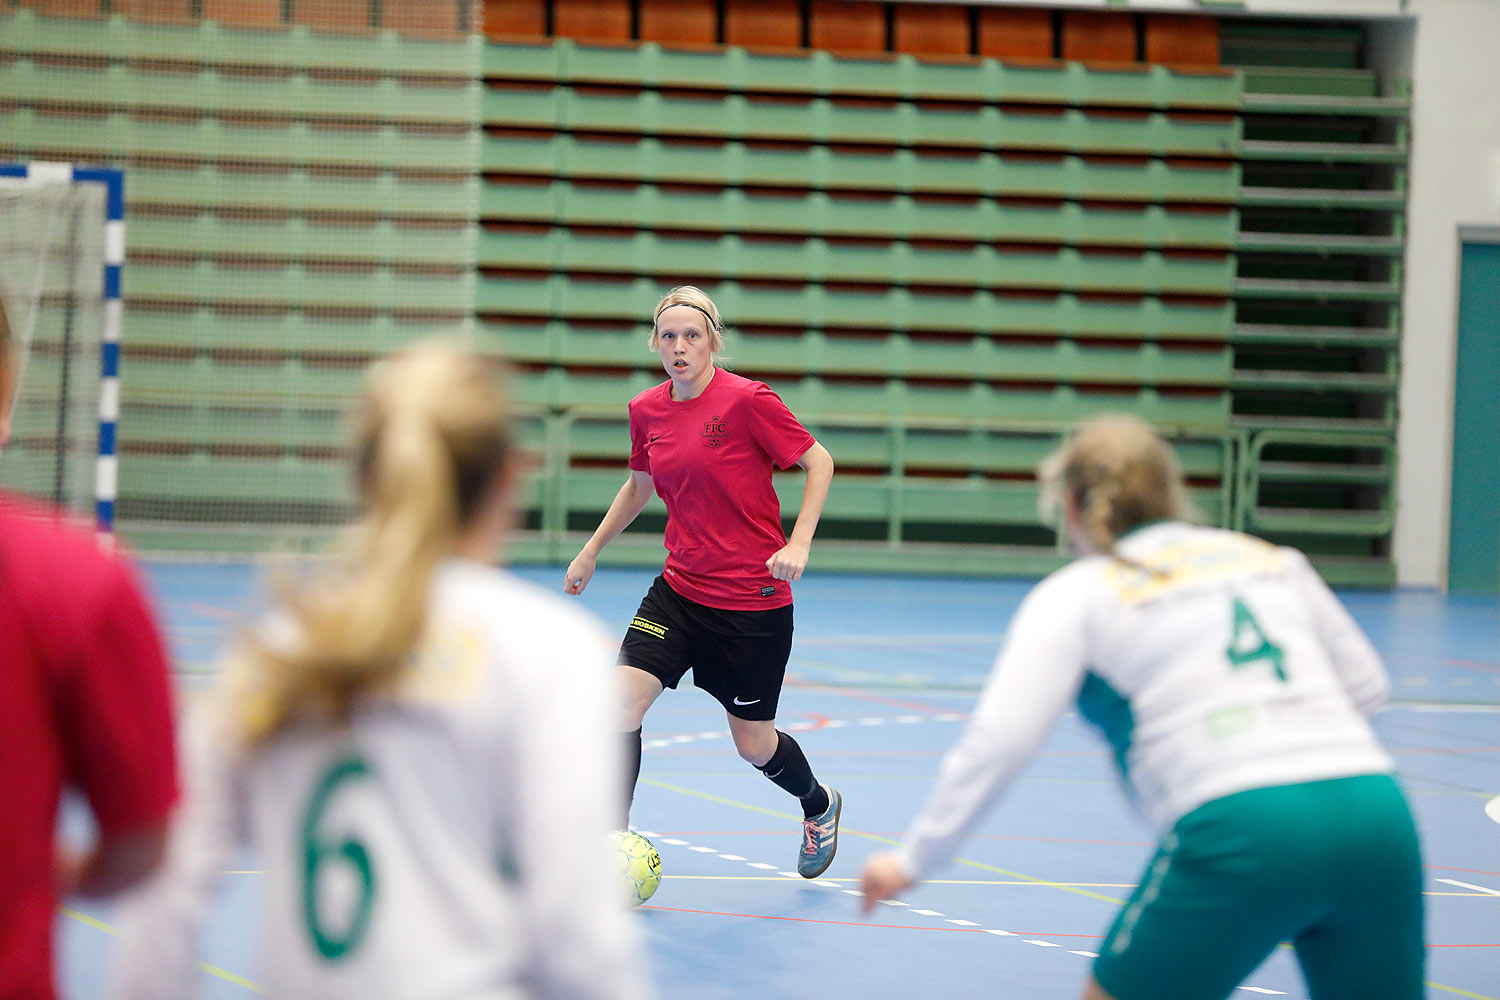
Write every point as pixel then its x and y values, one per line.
pixel 640 864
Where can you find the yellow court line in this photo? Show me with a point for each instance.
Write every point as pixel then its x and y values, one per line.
pixel 845 831
pixel 1459 992
pixel 110 929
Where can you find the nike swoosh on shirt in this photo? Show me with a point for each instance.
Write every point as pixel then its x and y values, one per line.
pixel 738 702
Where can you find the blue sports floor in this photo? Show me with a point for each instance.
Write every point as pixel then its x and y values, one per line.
pixel 882 674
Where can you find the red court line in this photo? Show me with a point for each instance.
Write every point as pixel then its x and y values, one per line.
pixel 1464 946
pixel 1410 750
pixel 1472 871
pixel 910 706
pixel 862 923
pixel 210 611
pixel 1480 665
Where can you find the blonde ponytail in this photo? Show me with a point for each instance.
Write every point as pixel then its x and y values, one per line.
pixel 8 366
pixel 1117 474
pixel 433 436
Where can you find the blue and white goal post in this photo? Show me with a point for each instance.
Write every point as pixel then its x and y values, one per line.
pixel 62 251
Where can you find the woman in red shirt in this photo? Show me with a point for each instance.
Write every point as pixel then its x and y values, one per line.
pixel 85 702
pixel 706 441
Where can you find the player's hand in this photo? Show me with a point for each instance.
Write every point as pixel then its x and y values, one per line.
pixel 580 572
pixel 788 562
pixel 883 878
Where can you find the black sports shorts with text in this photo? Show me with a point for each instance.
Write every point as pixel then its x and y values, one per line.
pixel 739 657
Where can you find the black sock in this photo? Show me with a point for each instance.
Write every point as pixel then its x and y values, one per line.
pixel 788 769
pixel 632 771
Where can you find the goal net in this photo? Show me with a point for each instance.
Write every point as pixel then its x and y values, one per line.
pixel 53 289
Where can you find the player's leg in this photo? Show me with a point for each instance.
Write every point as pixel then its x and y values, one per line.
pixel 1214 901
pixel 754 739
pixel 638 691
pixel 780 758
pixel 654 655
pixel 1370 947
pixel 1093 991
pixel 744 670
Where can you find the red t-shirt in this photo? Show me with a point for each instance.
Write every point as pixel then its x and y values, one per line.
pixel 710 459
pixel 85 699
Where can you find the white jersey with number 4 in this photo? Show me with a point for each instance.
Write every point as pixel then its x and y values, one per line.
pixel 449 844
pixel 1213 662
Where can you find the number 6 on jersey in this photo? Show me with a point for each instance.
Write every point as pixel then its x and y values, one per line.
pixel 316 852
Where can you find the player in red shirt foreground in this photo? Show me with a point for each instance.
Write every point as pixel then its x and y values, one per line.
pixel 85 699
pixel 706 441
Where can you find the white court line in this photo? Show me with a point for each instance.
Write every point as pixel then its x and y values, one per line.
pixel 1445 707
pixel 957 922
pixel 1467 885
pixel 658 742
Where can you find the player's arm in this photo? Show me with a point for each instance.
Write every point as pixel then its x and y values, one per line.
pixel 156 951
pixel 1359 667
pixel 116 861
pixel 789 561
pixel 1036 676
pixel 625 508
pixel 114 705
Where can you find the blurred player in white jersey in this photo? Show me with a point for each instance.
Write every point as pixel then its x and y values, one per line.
pixel 1235 690
pixel 417 747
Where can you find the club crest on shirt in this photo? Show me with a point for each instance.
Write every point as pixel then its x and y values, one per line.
pixel 715 431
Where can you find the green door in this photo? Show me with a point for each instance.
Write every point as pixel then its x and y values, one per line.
pixel 1474 511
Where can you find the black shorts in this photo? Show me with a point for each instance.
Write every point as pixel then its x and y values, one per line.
pixel 739 657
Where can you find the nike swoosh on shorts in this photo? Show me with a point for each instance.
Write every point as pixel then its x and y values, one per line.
pixel 738 702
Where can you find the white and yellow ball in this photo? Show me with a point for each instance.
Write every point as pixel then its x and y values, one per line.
pixel 639 862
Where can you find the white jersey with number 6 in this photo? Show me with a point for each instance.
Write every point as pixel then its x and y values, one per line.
pixel 1213 662
pixel 448 844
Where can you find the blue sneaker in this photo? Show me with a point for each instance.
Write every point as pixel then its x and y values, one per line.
pixel 820 838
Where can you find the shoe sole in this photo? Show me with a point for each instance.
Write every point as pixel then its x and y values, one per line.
pixel 838 810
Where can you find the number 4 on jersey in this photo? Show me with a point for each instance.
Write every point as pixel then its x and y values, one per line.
pixel 1248 642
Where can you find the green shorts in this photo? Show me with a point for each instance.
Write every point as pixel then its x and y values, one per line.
pixel 1331 866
